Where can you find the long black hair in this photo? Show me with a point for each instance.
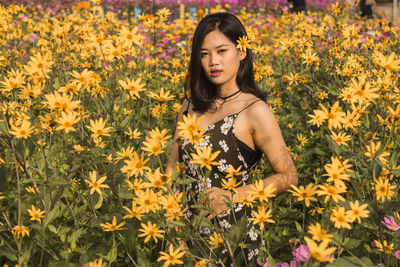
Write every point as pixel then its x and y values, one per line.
pixel 202 91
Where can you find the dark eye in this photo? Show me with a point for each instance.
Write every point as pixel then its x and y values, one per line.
pixel 203 54
pixel 221 50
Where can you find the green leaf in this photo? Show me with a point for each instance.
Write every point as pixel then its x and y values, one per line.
pixel 237 232
pixel 112 254
pixel 25 257
pixel 129 118
pixel 6 252
pixel 351 243
pixel 3 128
pixel 298 227
pixel 52 228
pixel 351 262
pixel 142 259
pixel 74 237
pixel 52 215
pixel 56 83
pixel 60 264
pixel 99 201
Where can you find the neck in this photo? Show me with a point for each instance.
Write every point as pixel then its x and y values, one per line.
pixel 225 92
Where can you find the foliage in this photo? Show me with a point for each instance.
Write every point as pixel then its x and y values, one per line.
pixel 89 104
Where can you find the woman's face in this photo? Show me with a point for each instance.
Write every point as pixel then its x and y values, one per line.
pixel 220 60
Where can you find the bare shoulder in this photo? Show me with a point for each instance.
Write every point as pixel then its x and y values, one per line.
pixel 260 110
pixel 262 119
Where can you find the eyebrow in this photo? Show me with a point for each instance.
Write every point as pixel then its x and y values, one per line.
pixel 216 47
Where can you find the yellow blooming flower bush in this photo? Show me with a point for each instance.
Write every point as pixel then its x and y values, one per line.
pixel 88 106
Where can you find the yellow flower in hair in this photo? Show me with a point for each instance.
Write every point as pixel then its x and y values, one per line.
pixel 243 43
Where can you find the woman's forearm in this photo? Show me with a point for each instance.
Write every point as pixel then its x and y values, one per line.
pixel 173 157
pixel 281 181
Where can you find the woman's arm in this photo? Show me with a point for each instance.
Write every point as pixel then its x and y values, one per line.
pixel 267 136
pixel 173 154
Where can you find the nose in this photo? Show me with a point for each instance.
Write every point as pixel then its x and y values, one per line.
pixel 213 60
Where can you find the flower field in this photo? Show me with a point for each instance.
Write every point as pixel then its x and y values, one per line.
pixel 89 104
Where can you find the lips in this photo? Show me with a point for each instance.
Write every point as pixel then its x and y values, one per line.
pixel 215 72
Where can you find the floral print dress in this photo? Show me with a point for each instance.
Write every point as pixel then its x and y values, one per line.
pixel 220 136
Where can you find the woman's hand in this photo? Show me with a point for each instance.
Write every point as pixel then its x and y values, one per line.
pixel 217 200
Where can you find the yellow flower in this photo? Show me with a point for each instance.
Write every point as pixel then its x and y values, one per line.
pixel 383 189
pixel 136 185
pixel 389 62
pixel 310 57
pixel 361 91
pixel 150 231
pixel 135 134
pixel 147 200
pixel 155 179
pixel 372 150
pixel 153 146
pixel 133 87
pixel 335 116
pixel 20 230
pixel 262 216
pixel 216 240
pixel 162 96
pixel 31 189
pixel 135 212
pixel 95 184
pixel 62 102
pixel 189 128
pixel 97 263
pixel 66 121
pixel 22 131
pixel 318 234
pixel 205 157
pixel 243 43
pixel 136 165
pixel 202 263
pixel 172 257
pixel 247 200
pixel 316 210
pixel 341 218
pixel 36 214
pixel 305 194
pixel 129 37
pixel 232 172
pixel 336 172
pixel 125 153
pixel 333 191
pixel 320 251
pixel 98 128
pixel 258 191
pixel 384 247
pixel 230 184
pixel 110 227
pixel 357 212
pixel 302 139
pixel 340 138
pixel 78 148
pixel 1 196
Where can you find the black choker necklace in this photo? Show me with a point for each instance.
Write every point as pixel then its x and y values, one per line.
pixel 229 96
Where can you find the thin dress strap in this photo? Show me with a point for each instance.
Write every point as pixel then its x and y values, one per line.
pixel 248 106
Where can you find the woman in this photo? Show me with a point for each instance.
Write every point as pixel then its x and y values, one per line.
pixel 236 119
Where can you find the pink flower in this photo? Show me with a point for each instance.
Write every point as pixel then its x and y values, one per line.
pixel 302 253
pixel 390 224
pixel 285 264
pixel 285 8
pixel 397 254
